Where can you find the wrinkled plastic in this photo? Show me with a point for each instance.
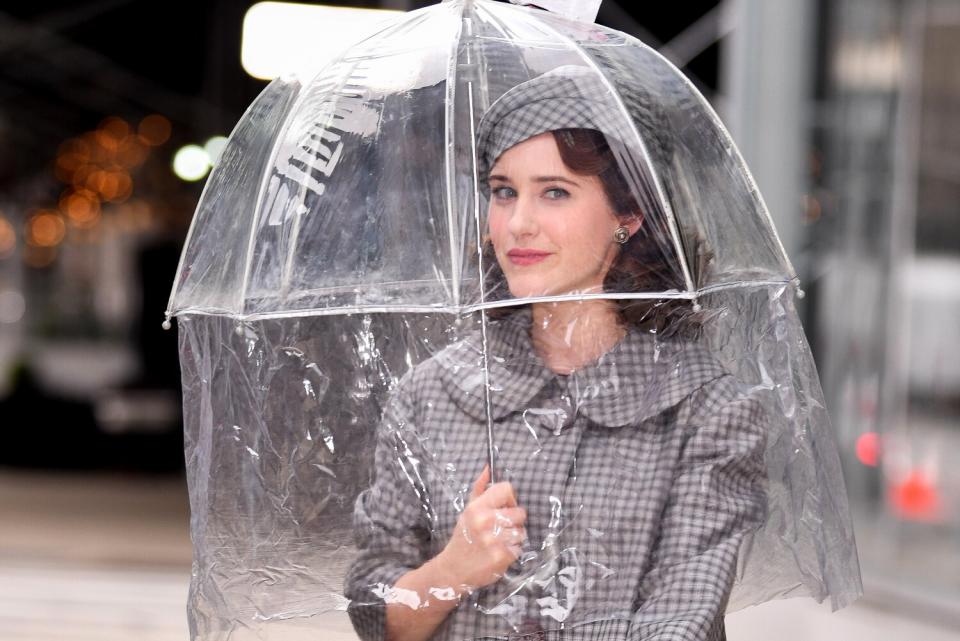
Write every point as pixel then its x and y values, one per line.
pixel 360 340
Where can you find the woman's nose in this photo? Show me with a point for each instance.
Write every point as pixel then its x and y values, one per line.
pixel 522 218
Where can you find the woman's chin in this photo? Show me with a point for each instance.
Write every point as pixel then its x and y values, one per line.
pixel 530 290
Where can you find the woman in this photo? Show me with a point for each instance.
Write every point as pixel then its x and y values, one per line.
pixel 630 465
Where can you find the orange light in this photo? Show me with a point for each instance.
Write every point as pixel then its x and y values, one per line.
pixel 915 498
pixel 113 186
pixel 81 207
pixel 109 185
pixel 124 187
pixel 116 127
pixel 45 229
pixel 868 448
pixel 132 152
pixel 107 141
pixel 96 141
pixel 81 175
pixel 70 162
pixel 154 129
pixel 8 238
pixel 104 182
pixel 71 155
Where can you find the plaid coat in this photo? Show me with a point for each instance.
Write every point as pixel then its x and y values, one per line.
pixel 641 473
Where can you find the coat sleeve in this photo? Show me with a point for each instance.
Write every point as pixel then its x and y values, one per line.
pixel 718 497
pixel 389 520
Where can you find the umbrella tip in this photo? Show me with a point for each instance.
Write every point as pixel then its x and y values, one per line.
pixel 800 293
pixel 166 322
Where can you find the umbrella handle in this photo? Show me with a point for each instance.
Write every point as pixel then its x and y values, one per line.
pixel 491 460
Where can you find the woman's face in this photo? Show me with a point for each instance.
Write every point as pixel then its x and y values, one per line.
pixel 552 230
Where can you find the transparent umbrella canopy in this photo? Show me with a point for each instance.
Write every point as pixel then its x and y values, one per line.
pixel 486 331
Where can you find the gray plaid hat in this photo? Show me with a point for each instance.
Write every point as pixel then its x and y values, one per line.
pixel 567 97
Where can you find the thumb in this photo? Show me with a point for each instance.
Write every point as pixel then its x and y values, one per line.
pixel 480 485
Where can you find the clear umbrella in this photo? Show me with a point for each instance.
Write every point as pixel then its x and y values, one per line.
pixel 486 331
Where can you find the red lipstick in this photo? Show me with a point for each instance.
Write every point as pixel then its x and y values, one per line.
pixel 526 256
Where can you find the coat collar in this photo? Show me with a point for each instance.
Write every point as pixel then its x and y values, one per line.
pixel 639 377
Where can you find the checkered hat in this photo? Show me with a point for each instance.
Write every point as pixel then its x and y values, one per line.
pixel 567 97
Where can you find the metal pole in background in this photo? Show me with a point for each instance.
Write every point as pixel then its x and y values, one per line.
pixel 766 68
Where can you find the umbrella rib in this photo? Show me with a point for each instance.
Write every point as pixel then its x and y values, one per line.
pixel 277 144
pixel 342 90
pixel 469 309
pixel 476 217
pixel 738 157
pixel 449 116
pixel 671 220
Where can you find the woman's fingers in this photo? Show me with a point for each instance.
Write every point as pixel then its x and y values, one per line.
pixel 510 517
pixel 513 536
pixel 499 495
pixel 491 532
pixel 506 536
pixel 480 484
pixel 496 495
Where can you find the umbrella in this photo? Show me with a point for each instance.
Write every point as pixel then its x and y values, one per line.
pixel 486 330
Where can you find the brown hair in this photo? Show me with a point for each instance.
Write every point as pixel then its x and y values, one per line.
pixel 645 262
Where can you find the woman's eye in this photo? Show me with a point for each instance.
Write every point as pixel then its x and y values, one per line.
pixel 556 193
pixel 503 192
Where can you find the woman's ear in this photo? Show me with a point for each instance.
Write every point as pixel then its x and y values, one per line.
pixel 633 221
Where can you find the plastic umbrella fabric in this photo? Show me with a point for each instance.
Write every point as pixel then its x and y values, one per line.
pixel 490 236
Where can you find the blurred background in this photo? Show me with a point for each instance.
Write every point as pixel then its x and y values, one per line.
pixel 112 113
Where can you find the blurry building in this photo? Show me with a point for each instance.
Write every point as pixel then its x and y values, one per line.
pixel 849 113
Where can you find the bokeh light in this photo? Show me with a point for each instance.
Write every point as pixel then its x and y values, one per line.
pixel 71 156
pixel 154 130
pixel 132 152
pixel 45 229
pixel 214 148
pixel 124 187
pixel 98 142
pixel 115 127
pixel 12 306
pixel 916 498
pixel 868 448
pixel 191 163
pixel 81 207
pixel 8 238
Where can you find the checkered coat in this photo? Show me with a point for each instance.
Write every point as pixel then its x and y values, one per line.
pixel 642 474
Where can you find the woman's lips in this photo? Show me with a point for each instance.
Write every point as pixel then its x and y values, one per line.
pixel 519 257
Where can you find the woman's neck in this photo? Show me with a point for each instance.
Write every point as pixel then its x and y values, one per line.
pixel 570 334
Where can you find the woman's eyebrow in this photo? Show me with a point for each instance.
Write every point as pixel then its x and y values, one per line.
pixel 538 179
pixel 552 179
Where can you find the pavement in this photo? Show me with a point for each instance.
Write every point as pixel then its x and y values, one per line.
pixel 104 557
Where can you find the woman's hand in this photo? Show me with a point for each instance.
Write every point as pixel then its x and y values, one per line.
pixel 485 541
pixel 487 537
